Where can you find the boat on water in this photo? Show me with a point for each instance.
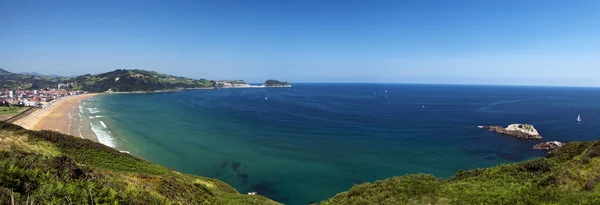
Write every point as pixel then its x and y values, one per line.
pixel 578 118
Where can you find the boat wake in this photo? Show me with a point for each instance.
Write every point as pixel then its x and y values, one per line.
pixel 489 108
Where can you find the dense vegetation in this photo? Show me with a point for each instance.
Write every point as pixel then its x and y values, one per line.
pixel 275 83
pixel 46 167
pixel 570 175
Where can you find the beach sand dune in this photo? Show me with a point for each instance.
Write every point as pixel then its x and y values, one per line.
pixel 57 117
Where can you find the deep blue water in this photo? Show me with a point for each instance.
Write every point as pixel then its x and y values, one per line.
pixel 309 142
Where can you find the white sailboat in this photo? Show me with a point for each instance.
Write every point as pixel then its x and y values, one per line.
pixel 578 118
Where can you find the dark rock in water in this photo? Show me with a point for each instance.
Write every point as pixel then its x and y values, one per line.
pixel 224 164
pixel 521 131
pixel 244 177
pixel 236 166
pixel 548 146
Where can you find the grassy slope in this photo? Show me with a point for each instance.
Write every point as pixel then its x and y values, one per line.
pixel 8 112
pixel 570 175
pixel 51 168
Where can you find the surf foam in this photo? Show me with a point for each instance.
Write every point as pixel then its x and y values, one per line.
pixel 93 110
pixel 103 135
pixel 103 125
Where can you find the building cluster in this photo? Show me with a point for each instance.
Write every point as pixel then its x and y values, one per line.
pixel 225 84
pixel 33 98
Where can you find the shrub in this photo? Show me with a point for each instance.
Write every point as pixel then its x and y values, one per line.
pixel 538 166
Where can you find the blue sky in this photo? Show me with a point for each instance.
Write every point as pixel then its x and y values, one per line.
pixel 541 42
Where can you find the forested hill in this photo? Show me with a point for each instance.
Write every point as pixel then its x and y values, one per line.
pixel 276 83
pixel 135 80
pixel 118 81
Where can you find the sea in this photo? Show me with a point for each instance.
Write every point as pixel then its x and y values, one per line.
pixel 306 143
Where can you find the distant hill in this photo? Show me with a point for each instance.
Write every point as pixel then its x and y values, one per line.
pixel 10 80
pixel 118 80
pixel 43 75
pixel 52 168
pixel 135 80
pixel 276 83
pixel 32 73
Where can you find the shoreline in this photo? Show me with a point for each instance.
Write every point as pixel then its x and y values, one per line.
pixel 62 116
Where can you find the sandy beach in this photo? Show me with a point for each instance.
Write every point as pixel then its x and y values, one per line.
pixel 59 116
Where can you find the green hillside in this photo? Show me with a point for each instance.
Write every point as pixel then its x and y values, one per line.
pixel 135 80
pixel 45 167
pixel 570 175
pixel 118 80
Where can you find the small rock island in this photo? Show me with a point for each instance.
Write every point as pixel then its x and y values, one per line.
pixel 276 83
pixel 548 146
pixel 521 131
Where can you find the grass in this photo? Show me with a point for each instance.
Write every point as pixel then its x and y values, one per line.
pixel 570 175
pixel 8 112
pixel 52 168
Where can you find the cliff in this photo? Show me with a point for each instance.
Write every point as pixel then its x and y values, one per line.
pixel 569 175
pixel 45 167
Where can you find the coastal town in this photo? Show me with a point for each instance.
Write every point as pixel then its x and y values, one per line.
pixel 34 98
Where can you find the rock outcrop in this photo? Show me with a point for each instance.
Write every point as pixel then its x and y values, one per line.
pixel 521 131
pixel 548 146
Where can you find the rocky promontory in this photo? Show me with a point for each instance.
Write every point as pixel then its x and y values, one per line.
pixel 549 146
pixel 521 131
pixel 276 83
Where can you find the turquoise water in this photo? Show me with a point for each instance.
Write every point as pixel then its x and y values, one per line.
pixel 309 142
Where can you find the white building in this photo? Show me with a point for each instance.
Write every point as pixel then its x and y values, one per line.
pixel 11 94
pixel 30 103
